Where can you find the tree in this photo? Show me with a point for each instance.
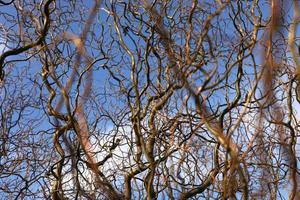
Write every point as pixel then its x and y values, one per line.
pixel 149 99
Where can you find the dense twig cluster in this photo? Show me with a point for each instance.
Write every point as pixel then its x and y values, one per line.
pixel 149 99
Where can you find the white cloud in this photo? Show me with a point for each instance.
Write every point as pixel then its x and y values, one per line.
pixel 2 45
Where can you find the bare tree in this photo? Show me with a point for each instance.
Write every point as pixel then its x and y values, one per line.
pixel 149 99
